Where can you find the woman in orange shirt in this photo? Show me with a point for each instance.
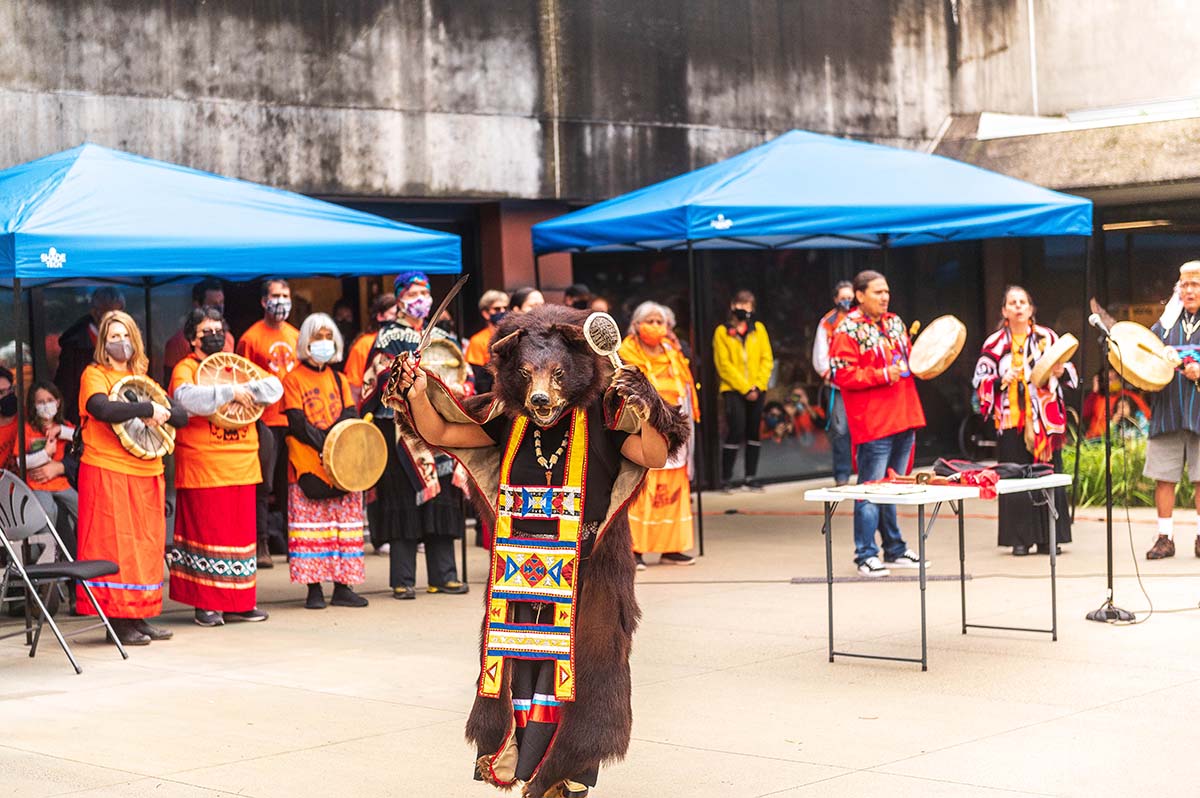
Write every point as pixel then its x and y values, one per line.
pixel 325 524
pixel 660 518
pixel 47 437
pixel 212 563
pixel 121 496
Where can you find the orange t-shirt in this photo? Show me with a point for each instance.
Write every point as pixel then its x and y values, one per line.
pixel 356 361
pixel 32 436
pixel 207 456
pixel 322 397
pixel 275 351
pixel 101 446
pixel 8 440
pixel 477 353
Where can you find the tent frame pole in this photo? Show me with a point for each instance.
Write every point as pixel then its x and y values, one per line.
pixel 698 460
pixel 1089 265
pixel 537 271
pixel 19 376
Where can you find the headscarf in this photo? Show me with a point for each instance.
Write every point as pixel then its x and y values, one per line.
pixel 405 279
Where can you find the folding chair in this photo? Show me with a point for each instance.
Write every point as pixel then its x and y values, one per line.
pixel 22 516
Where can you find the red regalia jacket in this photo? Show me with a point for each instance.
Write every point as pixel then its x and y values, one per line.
pixel 859 356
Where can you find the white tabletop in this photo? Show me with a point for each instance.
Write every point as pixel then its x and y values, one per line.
pixel 921 494
pixel 932 494
pixel 1033 483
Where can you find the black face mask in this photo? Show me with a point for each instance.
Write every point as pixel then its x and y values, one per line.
pixel 8 405
pixel 581 304
pixel 211 343
pixel 741 314
pixel 445 326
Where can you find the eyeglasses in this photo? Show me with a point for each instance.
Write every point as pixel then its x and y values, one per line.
pixel 6 391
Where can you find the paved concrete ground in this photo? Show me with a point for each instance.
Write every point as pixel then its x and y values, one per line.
pixel 733 692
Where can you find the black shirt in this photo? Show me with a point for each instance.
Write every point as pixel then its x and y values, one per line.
pixel 603 462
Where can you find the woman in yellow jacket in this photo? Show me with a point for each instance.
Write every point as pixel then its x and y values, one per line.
pixel 742 353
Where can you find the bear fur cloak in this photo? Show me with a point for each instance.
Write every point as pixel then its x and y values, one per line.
pixel 595 727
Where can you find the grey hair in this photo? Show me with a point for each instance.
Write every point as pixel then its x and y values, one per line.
pixel 645 309
pixel 314 322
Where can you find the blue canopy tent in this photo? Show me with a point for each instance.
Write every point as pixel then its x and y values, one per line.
pixel 93 214
pixel 803 191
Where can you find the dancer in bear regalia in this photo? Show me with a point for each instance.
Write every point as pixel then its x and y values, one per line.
pixel 555 453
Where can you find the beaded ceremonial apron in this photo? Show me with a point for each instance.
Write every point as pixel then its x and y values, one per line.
pixel 536 570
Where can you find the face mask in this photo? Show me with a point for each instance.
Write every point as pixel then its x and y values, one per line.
pixel 119 351
pixel 741 314
pixel 279 309
pixel 322 351
pixel 581 304
pixel 498 316
pixel 652 334
pixel 845 304
pixel 445 326
pixel 8 405
pixel 211 343
pixel 47 410
pixel 418 307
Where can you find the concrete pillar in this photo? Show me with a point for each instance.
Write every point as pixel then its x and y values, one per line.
pixel 507 256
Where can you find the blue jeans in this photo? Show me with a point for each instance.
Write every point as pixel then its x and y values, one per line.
pixel 839 438
pixel 874 459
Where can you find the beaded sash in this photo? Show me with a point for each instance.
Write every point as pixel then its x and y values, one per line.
pixel 539 570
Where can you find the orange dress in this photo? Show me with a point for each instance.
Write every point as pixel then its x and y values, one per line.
pixel 325 536
pixel 121 512
pixel 273 349
pixel 660 518
pixel 477 353
pixel 356 361
pixel 212 562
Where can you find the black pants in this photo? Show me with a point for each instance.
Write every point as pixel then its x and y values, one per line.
pixel 439 561
pixel 742 418
pixel 272 459
pixel 1023 517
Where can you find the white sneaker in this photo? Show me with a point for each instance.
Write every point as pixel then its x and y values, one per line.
pixel 908 559
pixel 872 567
pixel 384 550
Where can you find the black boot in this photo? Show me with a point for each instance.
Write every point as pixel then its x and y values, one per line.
pixel 752 451
pixel 152 632
pixel 728 458
pixel 127 633
pixel 343 596
pixel 316 599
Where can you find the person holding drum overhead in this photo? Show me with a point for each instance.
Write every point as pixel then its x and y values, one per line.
pixel 868 361
pixel 217 471
pixel 325 523
pixel 1030 418
pixel 122 497
pixel 1175 411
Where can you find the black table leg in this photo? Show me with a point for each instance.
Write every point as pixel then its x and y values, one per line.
pixel 827 531
pixel 962 563
pixel 921 554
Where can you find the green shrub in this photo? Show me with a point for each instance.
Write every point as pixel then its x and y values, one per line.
pixel 1130 488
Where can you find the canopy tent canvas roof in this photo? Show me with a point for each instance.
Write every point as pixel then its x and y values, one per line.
pixel 94 212
pixel 804 190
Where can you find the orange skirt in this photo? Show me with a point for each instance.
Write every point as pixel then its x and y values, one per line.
pixel 661 516
pixel 122 518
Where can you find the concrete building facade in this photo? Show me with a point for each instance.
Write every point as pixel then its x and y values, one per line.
pixel 486 116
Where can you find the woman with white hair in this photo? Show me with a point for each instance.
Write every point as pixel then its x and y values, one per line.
pixel 661 516
pixel 325 524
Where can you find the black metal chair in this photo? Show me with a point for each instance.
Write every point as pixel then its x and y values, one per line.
pixel 21 517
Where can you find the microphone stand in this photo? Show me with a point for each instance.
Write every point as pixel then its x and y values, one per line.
pixel 1108 612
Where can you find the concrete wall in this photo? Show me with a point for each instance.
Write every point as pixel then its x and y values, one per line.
pixel 1090 53
pixel 463 98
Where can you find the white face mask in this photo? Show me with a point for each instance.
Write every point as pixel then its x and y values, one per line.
pixel 47 410
pixel 322 351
